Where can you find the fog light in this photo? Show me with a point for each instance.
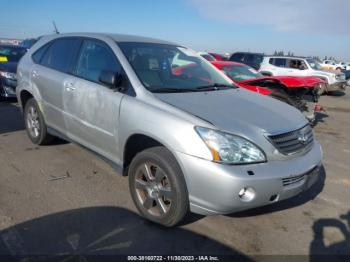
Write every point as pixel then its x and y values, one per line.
pixel 247 194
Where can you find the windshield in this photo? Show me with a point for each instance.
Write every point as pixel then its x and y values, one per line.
pixel 11 53
pixel 167 68
pixel 314 64
pixel 241 72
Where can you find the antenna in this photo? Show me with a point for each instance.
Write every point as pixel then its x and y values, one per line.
pixel 55 28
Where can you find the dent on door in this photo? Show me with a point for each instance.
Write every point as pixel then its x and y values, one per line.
pixel 93 113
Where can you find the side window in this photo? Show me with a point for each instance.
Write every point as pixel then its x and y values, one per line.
pixel 296 64
pixel 95 57
pixel 280 62
pixel 38 55
pixel 61 54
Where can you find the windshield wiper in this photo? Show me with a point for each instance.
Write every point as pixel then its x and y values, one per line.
pixel 171 90
pixel 214 87
pixel 211 87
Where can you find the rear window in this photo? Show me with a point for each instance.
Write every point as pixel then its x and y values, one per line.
pixel 280 62
pixel 237 57
pixel 11 53
pixel 254 59
pixel 61 54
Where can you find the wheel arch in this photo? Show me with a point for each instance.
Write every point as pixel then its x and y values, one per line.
pixel 137 143
pixel 25 95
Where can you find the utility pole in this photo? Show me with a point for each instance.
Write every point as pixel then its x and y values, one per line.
pixel 55 28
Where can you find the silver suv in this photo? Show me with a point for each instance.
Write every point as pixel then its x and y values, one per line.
pixel 186 137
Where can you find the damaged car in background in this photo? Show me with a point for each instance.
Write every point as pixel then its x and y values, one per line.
pixel 299 66
pixel 300 92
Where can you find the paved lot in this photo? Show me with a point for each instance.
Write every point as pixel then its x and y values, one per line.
pixel 90 211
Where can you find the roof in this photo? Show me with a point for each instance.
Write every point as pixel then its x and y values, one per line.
pixel 120 37
pixel 252 53
pixel 287 57
pixel 12 46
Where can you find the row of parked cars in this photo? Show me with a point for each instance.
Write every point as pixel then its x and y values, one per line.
pixel 185 133
pixel 297 81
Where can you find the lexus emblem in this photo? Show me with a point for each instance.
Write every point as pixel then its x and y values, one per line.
pixel 302 138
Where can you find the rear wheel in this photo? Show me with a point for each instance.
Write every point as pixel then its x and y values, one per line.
pixel 35 124
pixel 158 187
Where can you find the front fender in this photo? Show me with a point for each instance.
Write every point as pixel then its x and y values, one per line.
pixel 175 133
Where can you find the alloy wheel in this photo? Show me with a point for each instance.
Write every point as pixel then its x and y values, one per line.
pixel 33 123
pixel 153 189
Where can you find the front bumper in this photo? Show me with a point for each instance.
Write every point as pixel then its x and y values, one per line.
pixel 214 188
pixel 337 86
pixel 8 87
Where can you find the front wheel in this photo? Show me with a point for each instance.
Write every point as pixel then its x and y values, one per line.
pixel 158 187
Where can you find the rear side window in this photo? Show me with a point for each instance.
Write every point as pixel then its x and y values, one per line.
pixel 61 54
pixel 95 57
pixel 38 55
pixel 280 62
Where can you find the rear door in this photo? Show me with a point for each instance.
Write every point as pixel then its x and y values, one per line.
pixel 278 66
pixel 49 74
pixel 92 108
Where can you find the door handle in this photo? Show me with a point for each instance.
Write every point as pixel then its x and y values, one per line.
pixel 35 73
pixel 69 86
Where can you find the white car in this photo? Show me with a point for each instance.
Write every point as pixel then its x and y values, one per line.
pixel 299 66
pixel 345 65
pixel 330 65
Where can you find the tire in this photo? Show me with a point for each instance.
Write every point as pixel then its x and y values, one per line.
pixel 35 124
pixel 158 187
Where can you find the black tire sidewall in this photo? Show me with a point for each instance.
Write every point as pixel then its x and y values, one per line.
pixel 167 162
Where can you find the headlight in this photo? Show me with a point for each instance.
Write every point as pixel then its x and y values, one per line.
pixel 8 75
pixel 230 149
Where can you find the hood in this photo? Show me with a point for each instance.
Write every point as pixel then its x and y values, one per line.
pixel 288 81
pixel 238 110
pixel 326 73
pixel 8 67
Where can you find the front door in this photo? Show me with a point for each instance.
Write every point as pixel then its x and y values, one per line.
pixel 93 109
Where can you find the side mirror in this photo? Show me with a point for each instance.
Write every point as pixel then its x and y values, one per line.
pixel 302 67
pixel 110 79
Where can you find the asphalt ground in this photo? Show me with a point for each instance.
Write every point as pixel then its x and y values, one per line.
pixel 62 199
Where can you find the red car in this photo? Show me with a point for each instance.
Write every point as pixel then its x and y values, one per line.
pixel 300 92
pixel 218 57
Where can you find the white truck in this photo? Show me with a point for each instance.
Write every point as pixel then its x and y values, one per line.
pixel 299 66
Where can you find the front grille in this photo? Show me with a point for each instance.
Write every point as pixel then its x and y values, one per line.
pixel 341 77
pixel 288 181
pixel 292 180
pixel 294 142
